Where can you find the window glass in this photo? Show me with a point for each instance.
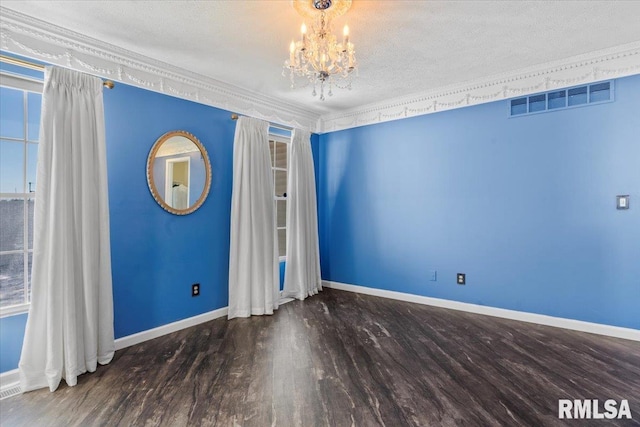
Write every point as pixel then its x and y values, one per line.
pixel 599 92
pixel 281 155
pixel 272 145
pixel 11 279
pixel 558 99
pixel 563 98
pixel 518 106
pixel 280 183
pixel 11 166
pixel 32 164
pixel 11 113
pixel 537 103
pixel 21 71
pixel 12 223
pixel 18 164
pixel 282 242
pixel 29 264
pixel 34 100
pixel 578 96
pixel 281 209
pixel 278 146
pixel 30 205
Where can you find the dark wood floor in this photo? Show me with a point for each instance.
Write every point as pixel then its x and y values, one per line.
pixel 343 359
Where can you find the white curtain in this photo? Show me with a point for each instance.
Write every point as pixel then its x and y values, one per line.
pixel 70 324
pixel 302 269
pixel 253 258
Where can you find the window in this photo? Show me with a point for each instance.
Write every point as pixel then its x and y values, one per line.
pixel 566 98
pixel 557 99
pixel 278 145
pixel 20 100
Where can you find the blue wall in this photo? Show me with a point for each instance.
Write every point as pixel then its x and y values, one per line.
pixel 524 206
pixel 157 256
pixel 11 335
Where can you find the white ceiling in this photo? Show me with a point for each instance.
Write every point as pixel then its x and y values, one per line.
pixel 403 47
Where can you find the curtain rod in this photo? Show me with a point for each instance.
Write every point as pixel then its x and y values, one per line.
pixel 33 66
pixel 234 116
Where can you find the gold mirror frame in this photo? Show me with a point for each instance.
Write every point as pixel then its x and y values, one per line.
pixel 151 182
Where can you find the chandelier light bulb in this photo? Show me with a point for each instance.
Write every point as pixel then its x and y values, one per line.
pixel 345 33
pixel 320 57
pixel 292 52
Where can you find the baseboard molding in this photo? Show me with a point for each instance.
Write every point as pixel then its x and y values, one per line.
pixel 541 319
pixel 11 379
pixel 150 334
pixel 9 383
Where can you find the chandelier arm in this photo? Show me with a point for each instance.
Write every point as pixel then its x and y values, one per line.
pixel 318 58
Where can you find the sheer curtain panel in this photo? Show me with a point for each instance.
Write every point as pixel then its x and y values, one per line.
pixel 253 257
pixel 70 324
pixel 302 270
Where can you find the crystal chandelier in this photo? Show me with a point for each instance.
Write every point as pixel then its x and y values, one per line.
pixel 318 56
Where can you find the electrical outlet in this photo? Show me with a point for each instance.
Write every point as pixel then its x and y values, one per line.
pixel 195 289
pixel 433 275
pixel 462 279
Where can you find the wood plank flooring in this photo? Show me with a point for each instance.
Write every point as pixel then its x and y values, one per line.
pixel 343 359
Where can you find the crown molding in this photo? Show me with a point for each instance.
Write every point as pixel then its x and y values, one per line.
pixel 619 61
pixel 36 39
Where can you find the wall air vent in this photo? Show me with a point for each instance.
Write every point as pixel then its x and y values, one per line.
pixel 594 93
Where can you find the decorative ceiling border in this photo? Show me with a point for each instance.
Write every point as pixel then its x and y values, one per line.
pixel 605 64
pixel 36 39
pixel 30 37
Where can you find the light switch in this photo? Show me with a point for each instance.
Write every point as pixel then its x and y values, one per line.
pixel 622 202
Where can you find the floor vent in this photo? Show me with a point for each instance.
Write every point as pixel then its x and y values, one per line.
pixel 11 391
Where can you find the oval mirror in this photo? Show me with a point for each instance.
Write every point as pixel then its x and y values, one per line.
pixel 179 172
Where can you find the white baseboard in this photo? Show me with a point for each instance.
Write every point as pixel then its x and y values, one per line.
pixel 150 334
pixel 559 322
pixel 11 379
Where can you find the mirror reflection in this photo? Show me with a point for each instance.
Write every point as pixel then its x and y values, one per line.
pixel 179 172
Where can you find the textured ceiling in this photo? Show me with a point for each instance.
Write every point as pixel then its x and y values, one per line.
pixel 403 47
